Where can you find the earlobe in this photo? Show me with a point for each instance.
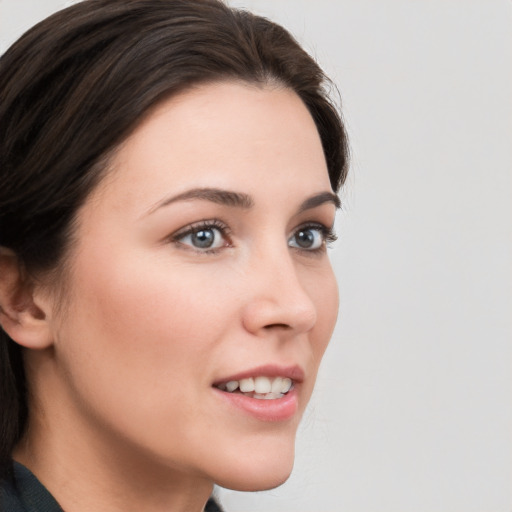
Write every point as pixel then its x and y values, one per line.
pixel 20 317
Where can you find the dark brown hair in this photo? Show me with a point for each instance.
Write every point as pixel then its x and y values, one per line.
pixel 74 86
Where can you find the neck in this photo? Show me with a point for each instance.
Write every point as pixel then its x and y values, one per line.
pixel 86 466
pixel 83 479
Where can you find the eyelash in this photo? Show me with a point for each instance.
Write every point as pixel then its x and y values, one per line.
pixel 327 233
pixel 202 226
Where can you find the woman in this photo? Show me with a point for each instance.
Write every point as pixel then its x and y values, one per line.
pixel 169 171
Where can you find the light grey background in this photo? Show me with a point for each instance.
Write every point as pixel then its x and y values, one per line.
pixel 413 410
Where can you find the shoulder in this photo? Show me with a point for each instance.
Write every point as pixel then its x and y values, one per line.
pixel 9 497
pixel 23 492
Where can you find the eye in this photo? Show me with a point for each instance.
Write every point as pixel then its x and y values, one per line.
pixel 311 238
pixel 204 237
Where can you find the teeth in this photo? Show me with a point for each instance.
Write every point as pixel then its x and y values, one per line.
pixel 263 388
pixel 277 385
pixel 267 396
pixel 287 384
pixel 231 385
pixel 262 385
pixel 247 385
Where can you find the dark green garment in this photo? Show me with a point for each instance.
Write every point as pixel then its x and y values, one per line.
pixel 25 493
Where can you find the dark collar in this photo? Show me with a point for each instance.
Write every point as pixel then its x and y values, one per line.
pixel 25 493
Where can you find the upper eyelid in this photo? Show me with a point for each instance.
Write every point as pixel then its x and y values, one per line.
pixel 215 223
pixel 313 224
pixel 200 224
pixel 177 237
pixel 322 214
pixel 327 231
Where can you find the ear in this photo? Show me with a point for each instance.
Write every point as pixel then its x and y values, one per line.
pixel 21 317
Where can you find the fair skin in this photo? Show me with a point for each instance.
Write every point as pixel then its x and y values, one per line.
pixel 161 309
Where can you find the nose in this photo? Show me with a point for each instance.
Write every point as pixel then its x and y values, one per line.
pixel 277 298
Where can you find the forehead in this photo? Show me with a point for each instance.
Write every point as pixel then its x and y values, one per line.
pixel 224 135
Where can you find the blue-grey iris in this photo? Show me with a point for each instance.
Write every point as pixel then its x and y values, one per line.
pixel 204 238
pixel 305 239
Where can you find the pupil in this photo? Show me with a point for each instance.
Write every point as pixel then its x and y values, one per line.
pixel 305 238
pixel 203 238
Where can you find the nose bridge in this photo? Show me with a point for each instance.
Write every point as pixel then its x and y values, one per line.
pixel 277 296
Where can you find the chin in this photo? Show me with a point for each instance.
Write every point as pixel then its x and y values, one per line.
pixel 260 471
pixel 256 482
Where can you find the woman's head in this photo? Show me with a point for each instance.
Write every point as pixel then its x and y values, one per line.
pixel 110 110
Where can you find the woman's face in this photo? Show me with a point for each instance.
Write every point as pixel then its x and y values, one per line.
pixel 201 260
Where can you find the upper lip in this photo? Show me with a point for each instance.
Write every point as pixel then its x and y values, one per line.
pixel 295 373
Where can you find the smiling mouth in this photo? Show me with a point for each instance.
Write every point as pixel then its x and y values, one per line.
pixel 262 388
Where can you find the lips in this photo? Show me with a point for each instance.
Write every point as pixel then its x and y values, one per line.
pixel 268 392
pixel 260 387
pixel 294 373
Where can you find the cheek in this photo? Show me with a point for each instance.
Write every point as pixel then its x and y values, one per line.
pixel 136 336
pixel 324 293
pixel 145 293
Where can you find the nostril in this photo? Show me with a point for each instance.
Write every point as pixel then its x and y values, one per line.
pixel 278 326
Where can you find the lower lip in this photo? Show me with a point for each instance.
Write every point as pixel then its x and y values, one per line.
pixel 277 409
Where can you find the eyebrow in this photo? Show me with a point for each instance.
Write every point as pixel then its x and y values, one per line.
pixel 214 195
pixel 320 199
pixel 241 200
